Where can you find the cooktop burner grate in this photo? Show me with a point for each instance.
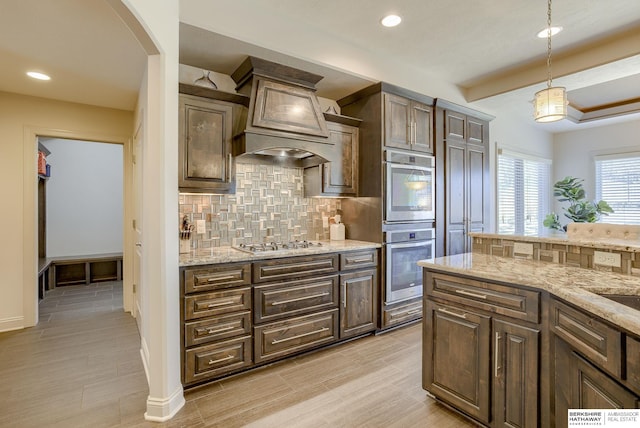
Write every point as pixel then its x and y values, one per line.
pixel 276 246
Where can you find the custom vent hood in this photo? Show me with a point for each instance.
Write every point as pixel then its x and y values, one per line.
pixel 284 121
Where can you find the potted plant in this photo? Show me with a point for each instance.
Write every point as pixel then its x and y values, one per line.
pixel 580 210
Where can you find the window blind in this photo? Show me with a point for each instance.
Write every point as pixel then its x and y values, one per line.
pixel 618 183
pixel 523 193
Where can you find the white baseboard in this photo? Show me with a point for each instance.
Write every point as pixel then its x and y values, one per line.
pixel 163 409
pixel 12 323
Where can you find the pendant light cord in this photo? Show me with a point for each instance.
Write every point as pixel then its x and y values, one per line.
pixel 549 44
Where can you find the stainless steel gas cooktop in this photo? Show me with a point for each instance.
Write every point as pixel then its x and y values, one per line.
pixel 276 246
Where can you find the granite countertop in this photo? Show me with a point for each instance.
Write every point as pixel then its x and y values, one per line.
pixel 581 287
pixel 562 239
pixel 217 255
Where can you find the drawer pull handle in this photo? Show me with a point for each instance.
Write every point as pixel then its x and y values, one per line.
pixel 225 303
pixel 415 311
pixel 212 331
pixel 448 312
pixel 472 294
pixel 276 341
pixel 221 360
pixel 360 260
pixel 213 278
pixel 297 299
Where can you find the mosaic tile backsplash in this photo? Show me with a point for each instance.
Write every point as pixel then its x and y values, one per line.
pixel 269 200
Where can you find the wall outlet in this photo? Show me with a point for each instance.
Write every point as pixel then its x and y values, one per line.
pixel 607 259
pixel 523 248
pixel 200 226
pixel 325 222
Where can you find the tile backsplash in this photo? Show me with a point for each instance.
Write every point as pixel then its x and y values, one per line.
pixel 269 199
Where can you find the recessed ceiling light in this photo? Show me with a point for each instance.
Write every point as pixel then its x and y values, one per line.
pixel 39 76
pixel 391 20
pixel 543 34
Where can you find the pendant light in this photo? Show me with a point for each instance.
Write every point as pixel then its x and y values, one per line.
pixel 550 104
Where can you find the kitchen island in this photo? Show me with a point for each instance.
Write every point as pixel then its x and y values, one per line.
pixel 240 310
pixel 511 339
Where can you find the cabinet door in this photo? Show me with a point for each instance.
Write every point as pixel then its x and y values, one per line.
pixel 456 197
pixel 359 309
pixel 397 120
pixel 477 191
pixel 515 383
pixel 341 179
pixel 455 126
pixel 456 358
pixel 204 157
pixel 422 123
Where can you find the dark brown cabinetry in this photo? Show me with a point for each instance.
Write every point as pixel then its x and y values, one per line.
pixel 481 351
pixel 408 124
pixel 462 173
pixel 206 121
pixel 589 366
pixel 336 178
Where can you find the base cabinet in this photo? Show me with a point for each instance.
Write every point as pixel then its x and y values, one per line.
pixel 358 312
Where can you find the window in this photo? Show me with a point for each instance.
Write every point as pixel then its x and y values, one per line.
pixel 618 183
pixel 523 193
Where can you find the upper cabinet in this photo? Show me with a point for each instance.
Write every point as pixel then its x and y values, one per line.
pixel 338 178
pixel 408 124
pixel 206 120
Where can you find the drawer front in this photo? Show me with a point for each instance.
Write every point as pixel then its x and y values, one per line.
pixel 589 336
pixel 206 362
pixel 633 363
pixel 295 267
pixel 216 277
pixel 217 328
pixel 509 301
pixel 277 301
pixel 217 303
pixel 404 313
pixel 358 259
pixel 279 339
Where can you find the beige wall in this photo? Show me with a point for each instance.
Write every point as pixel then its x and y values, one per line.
pixel 22 117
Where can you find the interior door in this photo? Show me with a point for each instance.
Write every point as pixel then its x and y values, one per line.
pixel 137 225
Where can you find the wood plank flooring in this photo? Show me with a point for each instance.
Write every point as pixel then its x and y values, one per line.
pixel 80 367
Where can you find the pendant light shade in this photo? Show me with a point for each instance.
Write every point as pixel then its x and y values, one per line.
pixel 550 104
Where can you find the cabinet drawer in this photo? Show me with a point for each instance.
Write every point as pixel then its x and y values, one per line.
pixel 292 268
pixel 216 277
pixel 206 362
pixel 509 301
pixel 276 301
pixel 217 303
pixel 358 259
pixel 589 336
pixel 217 328
pixel 282 338
pixel 633 363
pixel 403 313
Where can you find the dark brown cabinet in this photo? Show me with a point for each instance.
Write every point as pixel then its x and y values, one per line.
pixel 462 173
pixel 481 349
pixel 336 178
pixel 205 133
pixel 408 124
pixel 359 308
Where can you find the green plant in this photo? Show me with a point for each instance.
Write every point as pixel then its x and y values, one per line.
pixel 580 210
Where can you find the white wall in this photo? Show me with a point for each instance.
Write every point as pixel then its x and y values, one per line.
pixel 574 151
pixel 84 198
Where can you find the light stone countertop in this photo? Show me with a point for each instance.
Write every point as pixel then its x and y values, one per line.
pixel 605 244
pixel 578 286
pixel 217 255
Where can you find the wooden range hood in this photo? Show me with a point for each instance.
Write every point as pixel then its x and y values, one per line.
pixel 284 119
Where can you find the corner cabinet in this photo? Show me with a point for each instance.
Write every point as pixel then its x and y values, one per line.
pixel 336 178
pixel 408 124
pixel 481 351
pixel 206 121
pixel 462 174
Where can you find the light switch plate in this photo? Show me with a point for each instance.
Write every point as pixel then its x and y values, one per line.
pixel 523 248
pixel 607 259
pixel 200 226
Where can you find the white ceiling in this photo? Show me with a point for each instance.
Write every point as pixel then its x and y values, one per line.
pixel 484 51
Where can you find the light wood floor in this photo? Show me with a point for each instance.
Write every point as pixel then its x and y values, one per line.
pixel 80 367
